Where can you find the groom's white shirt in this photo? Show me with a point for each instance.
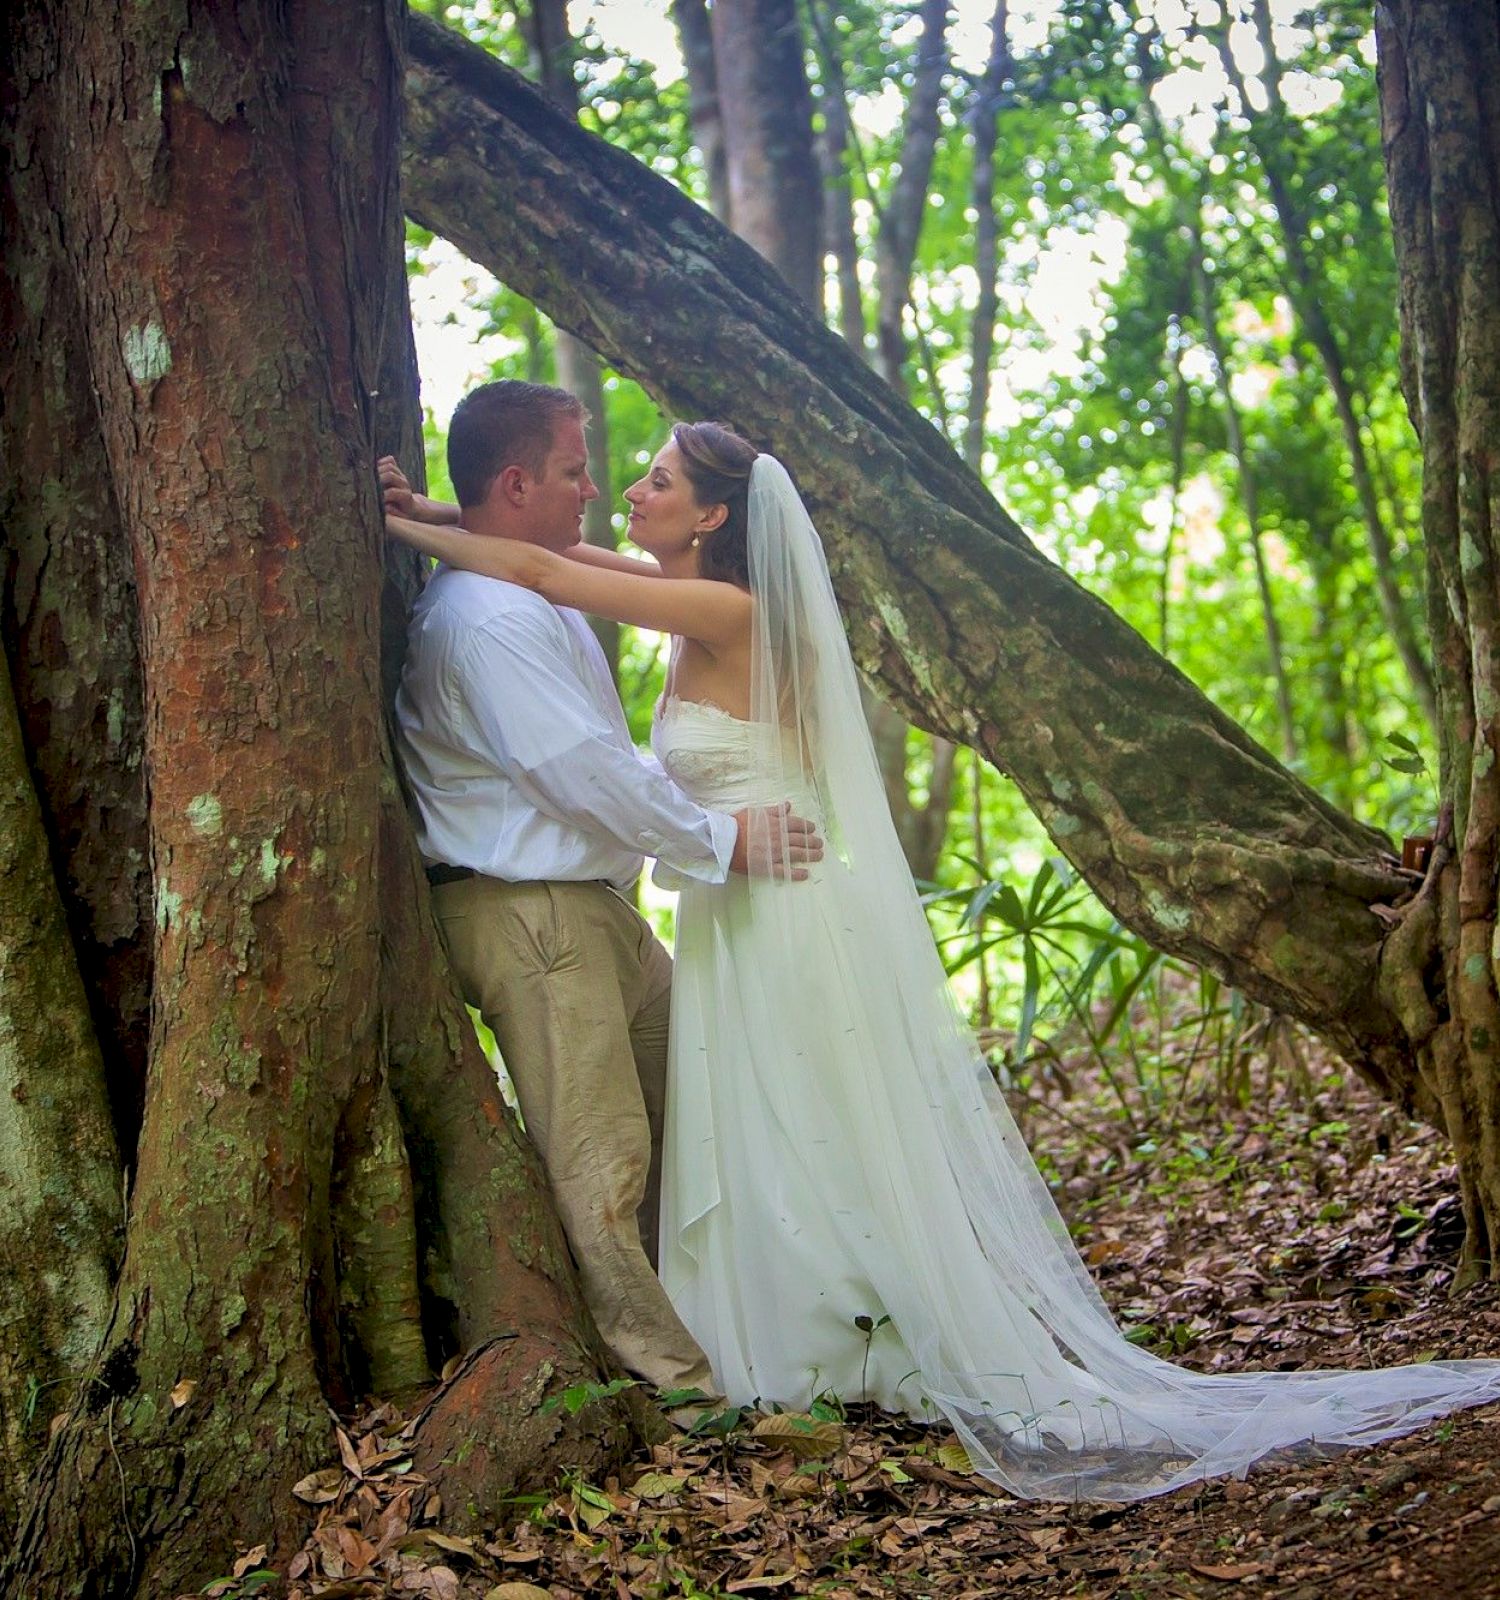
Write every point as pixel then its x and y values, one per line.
pixel 518 753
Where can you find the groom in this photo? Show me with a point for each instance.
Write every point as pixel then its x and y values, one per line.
pixel 534 811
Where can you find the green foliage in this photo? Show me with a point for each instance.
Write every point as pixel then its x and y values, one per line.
pixel 1104 170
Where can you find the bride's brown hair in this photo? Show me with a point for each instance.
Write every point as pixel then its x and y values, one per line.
pixel 717 462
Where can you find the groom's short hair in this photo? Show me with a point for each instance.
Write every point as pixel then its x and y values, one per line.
pixel 504 424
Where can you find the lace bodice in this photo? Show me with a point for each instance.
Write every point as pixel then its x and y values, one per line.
pixel 724 762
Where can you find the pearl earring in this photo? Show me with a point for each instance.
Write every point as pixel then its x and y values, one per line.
pixel 695 541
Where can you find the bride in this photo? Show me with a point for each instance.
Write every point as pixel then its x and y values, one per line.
pixel 846 1201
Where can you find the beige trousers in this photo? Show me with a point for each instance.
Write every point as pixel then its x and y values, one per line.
pixel 576 989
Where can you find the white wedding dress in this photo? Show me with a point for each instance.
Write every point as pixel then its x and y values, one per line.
pixel 836 1148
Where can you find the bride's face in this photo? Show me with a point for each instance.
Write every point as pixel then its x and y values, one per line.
pixel 664 516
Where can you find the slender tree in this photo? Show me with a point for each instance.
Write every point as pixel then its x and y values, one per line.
pixel 696 33
pixel 1306 290
pixel 984 121
pixel 1249 489
pixel 578 369
pixel 766 111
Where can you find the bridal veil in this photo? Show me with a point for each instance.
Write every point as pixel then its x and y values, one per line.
pixel 1011 1340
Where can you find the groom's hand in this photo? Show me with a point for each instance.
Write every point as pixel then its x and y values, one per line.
pixel 773 843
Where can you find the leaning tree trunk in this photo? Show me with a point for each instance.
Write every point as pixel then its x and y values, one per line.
pixel 1190 832
pixel 327 1183
pixel 1440 112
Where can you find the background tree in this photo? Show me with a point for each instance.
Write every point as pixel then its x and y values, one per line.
pixel 578 368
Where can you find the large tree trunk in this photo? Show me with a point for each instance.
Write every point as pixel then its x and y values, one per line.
pixel 1440 111
pixel 226 205
pixel 234 428
pixel 1190 832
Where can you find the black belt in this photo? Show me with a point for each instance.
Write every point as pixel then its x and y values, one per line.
pixel 440 872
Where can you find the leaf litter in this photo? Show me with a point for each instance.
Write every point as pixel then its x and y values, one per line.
pixel 1312 1225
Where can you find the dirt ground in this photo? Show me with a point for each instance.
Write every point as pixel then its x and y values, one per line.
pixel 1287 1221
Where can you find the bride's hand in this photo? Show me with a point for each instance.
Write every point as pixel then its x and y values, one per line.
pixel 395 489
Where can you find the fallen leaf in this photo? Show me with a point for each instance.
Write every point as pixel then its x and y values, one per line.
pixel 453 1545
pixel 517 1591
pixel 319 1487
pixel 251 1558
pixel 1228 1574
pixel 954 1458
pixel 182 1392
pixel 653 1485
pixel 805 1437
pixel 349 1455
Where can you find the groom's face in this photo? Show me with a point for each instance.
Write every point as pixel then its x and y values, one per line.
pixel 558 497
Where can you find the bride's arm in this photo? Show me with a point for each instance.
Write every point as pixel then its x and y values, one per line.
pixel 713 613
pixel 592 555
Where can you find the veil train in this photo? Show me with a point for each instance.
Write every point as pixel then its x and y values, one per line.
pixel 1012 1341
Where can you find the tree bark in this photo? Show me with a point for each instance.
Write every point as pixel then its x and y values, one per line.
pixel 1189 831
pixel 1440 118
pixel 226 202
pixel 68 601
pixel 61 1185
pixel 766 108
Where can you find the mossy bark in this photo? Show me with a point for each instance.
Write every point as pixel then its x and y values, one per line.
pixel 1440 110
pixel 61 1187
pixel 67 592
pixel 1191 833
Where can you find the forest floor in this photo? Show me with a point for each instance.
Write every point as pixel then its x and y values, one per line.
pixel 1288 1219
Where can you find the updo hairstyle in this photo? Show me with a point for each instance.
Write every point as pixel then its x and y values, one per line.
pixel 717 462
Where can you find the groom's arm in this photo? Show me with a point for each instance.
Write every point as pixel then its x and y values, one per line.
pixel 533 717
